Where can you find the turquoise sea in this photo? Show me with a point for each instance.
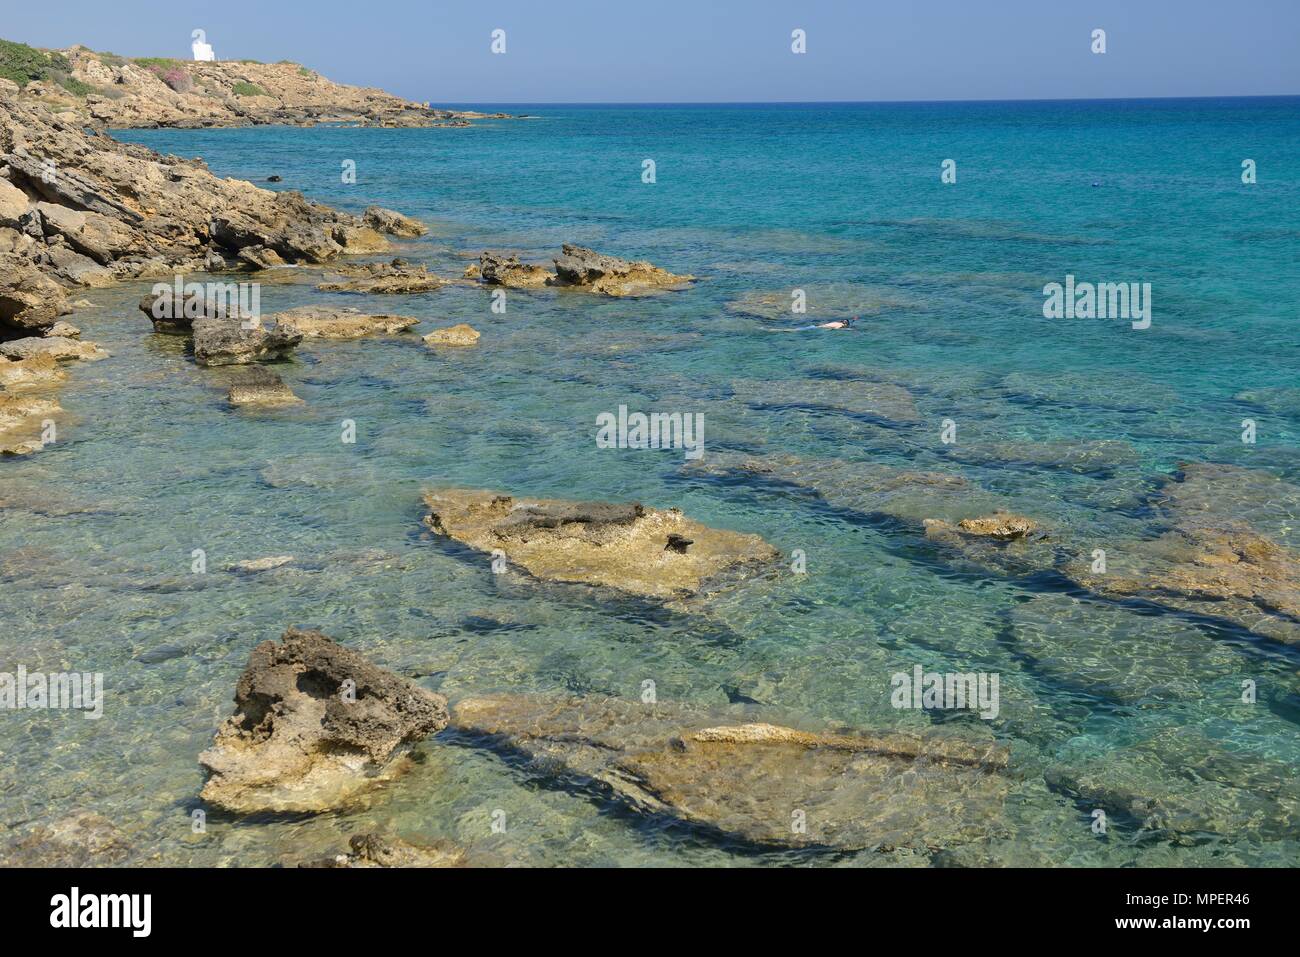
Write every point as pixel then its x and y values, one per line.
pixel 843 201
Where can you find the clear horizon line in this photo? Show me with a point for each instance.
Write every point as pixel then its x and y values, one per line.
pixel 1034 99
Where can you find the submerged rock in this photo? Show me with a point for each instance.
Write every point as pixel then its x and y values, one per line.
pixel 315 723
pixel 266 564
pixel 834 300
pixel 461 334
pixel 1227 571
pixel 21 419
pixel 56 347
pixel 223 342
pixel 1081 456
pixel 757 784
pixel 84 839
pixel 621 546
pixel 323 322
pixel 378 850
pixel 256 385
pixel 1114 653
pixel 1211 557
pixel 1181 785
pixel 872 489
pixel 38 372
pixel 1209 493
pixel 1278 400
pixel 883 402
pixel 393 278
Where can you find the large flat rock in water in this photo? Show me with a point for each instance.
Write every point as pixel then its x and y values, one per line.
pixel 322 322
pixel 59 348
pixel 1225 549
pixel 655 553
pixel 755 784
pixel 1181 785
pixel 883 402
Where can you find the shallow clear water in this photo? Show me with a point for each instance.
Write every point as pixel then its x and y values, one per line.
pixel 842 201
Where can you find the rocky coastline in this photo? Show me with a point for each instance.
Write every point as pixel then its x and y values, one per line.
pixel 79 209
pixel 317 726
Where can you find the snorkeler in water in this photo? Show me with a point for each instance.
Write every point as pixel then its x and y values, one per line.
pixel 833 324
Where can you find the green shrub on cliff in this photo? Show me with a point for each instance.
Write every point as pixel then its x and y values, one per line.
pixel 72 84
pixel 244 88
pixel 159 62
pixel 23 64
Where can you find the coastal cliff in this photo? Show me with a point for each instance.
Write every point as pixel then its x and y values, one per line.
pixel 105 90
pixel 86 210
pixel 79 209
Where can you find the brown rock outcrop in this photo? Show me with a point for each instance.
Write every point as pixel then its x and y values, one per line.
pixel 95 210
pixel 578 268
pixel 621 546
pixel 56 347
pixel 393 223
pixel 38 372
pixel 315 723
pixel 495 269
pixel 21 418
pixel 394 278
pixel 461 334
pixel 226 342
pixel 609 275
pixel 322 322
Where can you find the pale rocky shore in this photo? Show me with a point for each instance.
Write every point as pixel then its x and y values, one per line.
pixel 105 90
pixel 82 210
pixel 79 209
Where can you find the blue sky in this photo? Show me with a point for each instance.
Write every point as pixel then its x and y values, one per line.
pixel 717 50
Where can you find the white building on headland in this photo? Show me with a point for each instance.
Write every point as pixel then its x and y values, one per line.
pixel 202 49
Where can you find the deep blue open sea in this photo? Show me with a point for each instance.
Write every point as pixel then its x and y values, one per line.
pixel 842 201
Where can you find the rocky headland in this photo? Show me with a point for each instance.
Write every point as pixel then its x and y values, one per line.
pixel 80 85
pixel 79 209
